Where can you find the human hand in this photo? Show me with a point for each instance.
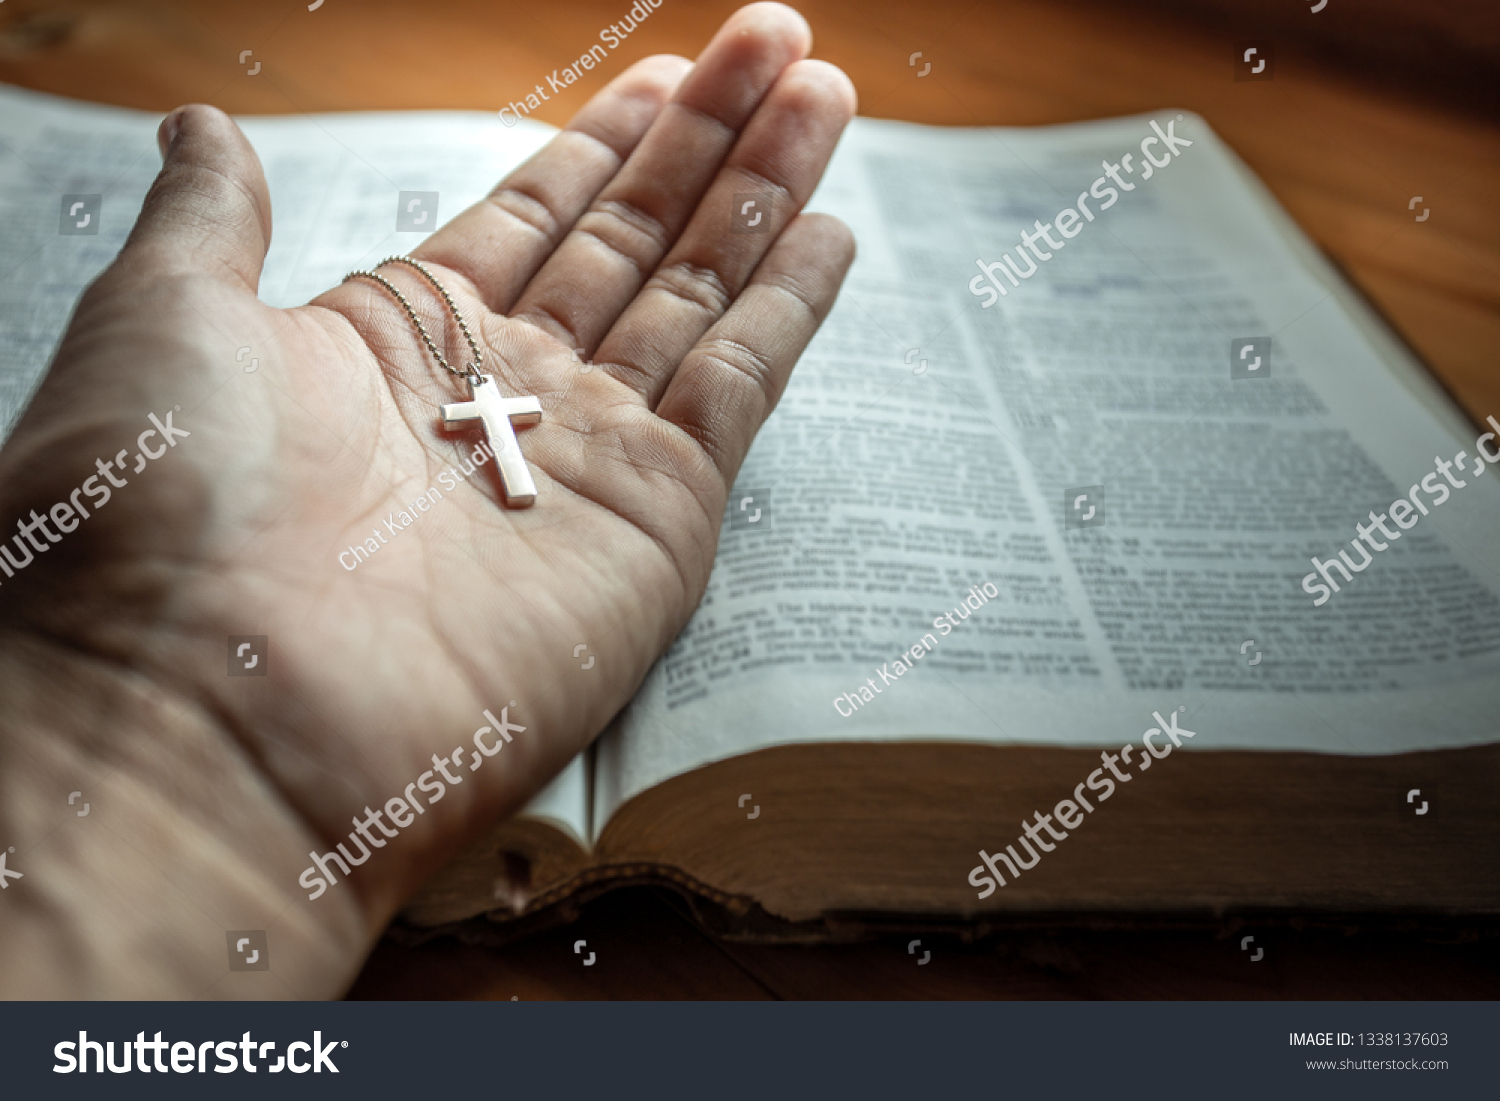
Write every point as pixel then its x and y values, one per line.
pixel 211 791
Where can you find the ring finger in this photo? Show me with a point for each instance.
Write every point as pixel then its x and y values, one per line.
pixel 769 176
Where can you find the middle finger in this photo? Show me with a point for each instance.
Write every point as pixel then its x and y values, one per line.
pixel 613 248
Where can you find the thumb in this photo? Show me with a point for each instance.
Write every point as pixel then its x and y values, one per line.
pixel 209 211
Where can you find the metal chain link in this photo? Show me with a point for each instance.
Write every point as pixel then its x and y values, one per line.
pixel 472 371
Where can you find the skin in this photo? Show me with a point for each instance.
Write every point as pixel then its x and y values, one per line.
pixel 207 792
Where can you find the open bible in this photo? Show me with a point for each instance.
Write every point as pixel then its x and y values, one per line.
pixel 1107 555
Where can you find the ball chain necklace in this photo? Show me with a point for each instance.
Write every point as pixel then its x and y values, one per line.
pixel 497 415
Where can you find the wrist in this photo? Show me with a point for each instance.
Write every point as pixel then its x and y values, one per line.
pixel 175 839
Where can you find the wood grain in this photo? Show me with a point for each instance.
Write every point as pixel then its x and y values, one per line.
pixel 1371 105
pixel 1343 135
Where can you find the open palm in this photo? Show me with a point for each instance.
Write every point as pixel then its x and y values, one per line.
pixel 605 278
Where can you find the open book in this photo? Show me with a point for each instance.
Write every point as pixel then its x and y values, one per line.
pixel 1010 519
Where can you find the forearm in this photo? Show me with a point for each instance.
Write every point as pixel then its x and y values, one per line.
pixel 176 838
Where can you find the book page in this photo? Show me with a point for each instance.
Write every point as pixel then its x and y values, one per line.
pixel 335 183
pixel 929 448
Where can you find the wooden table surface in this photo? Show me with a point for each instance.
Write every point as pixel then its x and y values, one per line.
pixel 1371 105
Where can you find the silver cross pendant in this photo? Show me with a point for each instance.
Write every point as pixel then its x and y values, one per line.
pixel 498 417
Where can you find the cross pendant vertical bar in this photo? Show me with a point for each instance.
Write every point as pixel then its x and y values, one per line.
pixel 498 416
